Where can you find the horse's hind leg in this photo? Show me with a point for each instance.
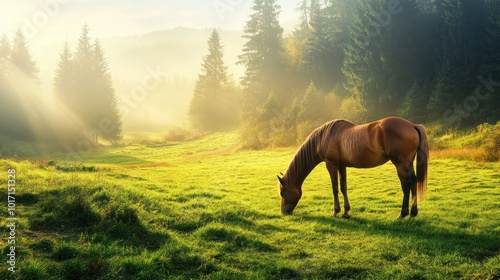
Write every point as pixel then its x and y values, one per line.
pixel 413 186
pixel 343 189
pixel 407 179
pixel 406 197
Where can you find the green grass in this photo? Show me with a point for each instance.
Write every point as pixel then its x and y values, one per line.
pixel 204 209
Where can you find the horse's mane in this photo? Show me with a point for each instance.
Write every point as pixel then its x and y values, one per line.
pixel 307 156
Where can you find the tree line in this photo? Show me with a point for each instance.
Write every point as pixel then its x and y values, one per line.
pixel 431 61
pixel 86 110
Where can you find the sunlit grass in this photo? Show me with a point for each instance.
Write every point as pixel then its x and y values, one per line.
pixel 478 144
pixel 206 209
pixel 473 154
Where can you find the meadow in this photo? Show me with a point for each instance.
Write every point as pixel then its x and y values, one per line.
pixel 205 209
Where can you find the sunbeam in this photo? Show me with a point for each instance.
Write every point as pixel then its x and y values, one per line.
pixel 48 120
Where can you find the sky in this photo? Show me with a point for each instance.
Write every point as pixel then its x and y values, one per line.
pixel 44 21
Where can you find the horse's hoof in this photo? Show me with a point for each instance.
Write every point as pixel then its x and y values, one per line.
pixel 401 217
pixel 336 214
pixel 346 216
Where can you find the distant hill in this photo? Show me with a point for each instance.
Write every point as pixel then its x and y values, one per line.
pixel 177 51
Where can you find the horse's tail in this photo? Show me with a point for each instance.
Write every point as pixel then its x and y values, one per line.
pixel 422 161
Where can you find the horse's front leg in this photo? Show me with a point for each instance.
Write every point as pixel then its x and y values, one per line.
pixel 343 188
pixel 333 170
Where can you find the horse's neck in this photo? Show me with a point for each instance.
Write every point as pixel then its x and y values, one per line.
pixel 304 161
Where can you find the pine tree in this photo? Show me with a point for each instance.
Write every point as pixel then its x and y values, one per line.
pixel 303 9
pixel 378 64
pixel 82 100
pixel 64 79
pixel 66 92
pixel 262 54
pixel 296 43
pixel 5 53
pixel 5 95
pixel 415 101
pixel 448 79
pixel 84 52
pixel 214 72
pixel 493 30
pixel 107 118
pixel 83 82
pixel 311 104
pixel 444 89
pixel 18 74
pixel 491 112
pixel 21 56
pixel 357 57
pixel 212 107
pixel 324 49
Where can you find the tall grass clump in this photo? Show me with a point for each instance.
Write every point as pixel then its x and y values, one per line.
pixel 481 143
pixel 66 209
pixel 492 143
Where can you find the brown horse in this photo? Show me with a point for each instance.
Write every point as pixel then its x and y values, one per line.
pixel 342 144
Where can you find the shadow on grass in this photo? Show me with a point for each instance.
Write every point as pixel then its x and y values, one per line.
pixel 237 217
pixel 27 199
pixel 427 238
pixel 234 240
pixel 75 211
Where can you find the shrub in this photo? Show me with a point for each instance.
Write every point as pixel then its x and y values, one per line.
pixel 492 143
pixel 352 109
pixel 179 133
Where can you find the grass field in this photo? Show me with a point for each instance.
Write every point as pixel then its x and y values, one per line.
pixel 204 209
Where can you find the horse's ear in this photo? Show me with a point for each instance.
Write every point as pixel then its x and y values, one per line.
pixel 282 182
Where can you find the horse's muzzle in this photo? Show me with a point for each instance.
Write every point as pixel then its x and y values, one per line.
pixel 287 209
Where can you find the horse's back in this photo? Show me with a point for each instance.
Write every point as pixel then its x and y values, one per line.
pixel 356 145
pixel 372 144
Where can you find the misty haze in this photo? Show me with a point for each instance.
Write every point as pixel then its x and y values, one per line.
pixel 168 139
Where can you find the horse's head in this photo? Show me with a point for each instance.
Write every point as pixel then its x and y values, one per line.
pixel 290 196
